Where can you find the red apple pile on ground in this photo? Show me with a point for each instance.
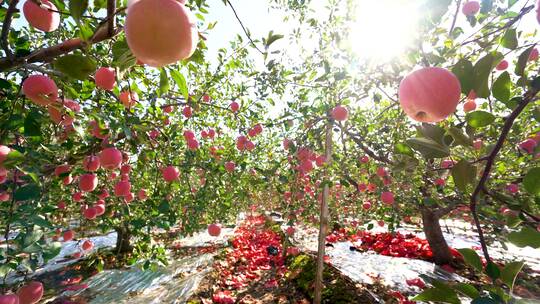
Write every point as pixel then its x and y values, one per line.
pixel 247 258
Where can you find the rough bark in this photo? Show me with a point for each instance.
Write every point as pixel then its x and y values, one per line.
pixel 123 241
pixel 317 297
pixel 435 237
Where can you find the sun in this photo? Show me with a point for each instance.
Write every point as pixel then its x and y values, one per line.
pixel 383 29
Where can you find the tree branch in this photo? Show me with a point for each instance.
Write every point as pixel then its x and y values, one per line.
pixel 490 194
pixel 7 26
pixel 529 96
pixel 360 142
pixel 50 53
pixel 244 28
pixel 455 18
pixel 111 9
pixel 522 13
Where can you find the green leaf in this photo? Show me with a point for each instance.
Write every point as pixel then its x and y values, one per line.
pixel 536 114
pixel 403 149
pixel 464 71
pixel 433 132
pixel 531 181
pixel 122 56
pixel 482 70
pixel 459 137
pixel 32 126
pixel 39 220
pixel 471 257
pixel 180 82
pixel 428 148
pixel 464 174
pixel 479 119
pixel 437 295
pixel 77 8
pixel 30 239
pixel 525 237
pixel 509 40
pixel 493 271
pixel 510 272
pixel 13 158
pixel 163 82
pixel 76 66
pixel 27 192
pixel 271 39
pixel 51 251
pixel 522 61
pixel 502 87
pixel 467 289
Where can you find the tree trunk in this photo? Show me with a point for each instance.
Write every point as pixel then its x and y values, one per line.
pixel 435 237
pixel 123 244
pixel 317 296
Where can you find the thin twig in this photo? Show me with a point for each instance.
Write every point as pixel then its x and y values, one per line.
pixel 360 142
pixel 244 28
pixel 455 18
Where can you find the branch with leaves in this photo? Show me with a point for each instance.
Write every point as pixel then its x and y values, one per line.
pixel 528 98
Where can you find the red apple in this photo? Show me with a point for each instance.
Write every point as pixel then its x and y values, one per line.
pixel 477 144
pixel 290 231
pixel 45 17
pixel 110 158
pixel 30 293
pixel 469 106
pixel 91 163
pixel 528 145
pixel 440 182
pixel 4 151
pixel 503 65
pixel 90 213
pixel 234 106
pixel 40 89
pixel 340 113
pixel 122 188
pixel 187 111
pixel 214 230
pixel 387 197
pixel 533 55
pixel 160 32
pixel 429 94
pixel 471 8
pixel 230 166
pixel 142 195
pixel 512 188
pixel 87 245
pixel 4 196
pixel 128 99
pixel 88 182
pixel 105 78
pixel 68 235
pixel 77 196
pixel 100 209
pixel 9 299
pixel 188 134
pixel 170 173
